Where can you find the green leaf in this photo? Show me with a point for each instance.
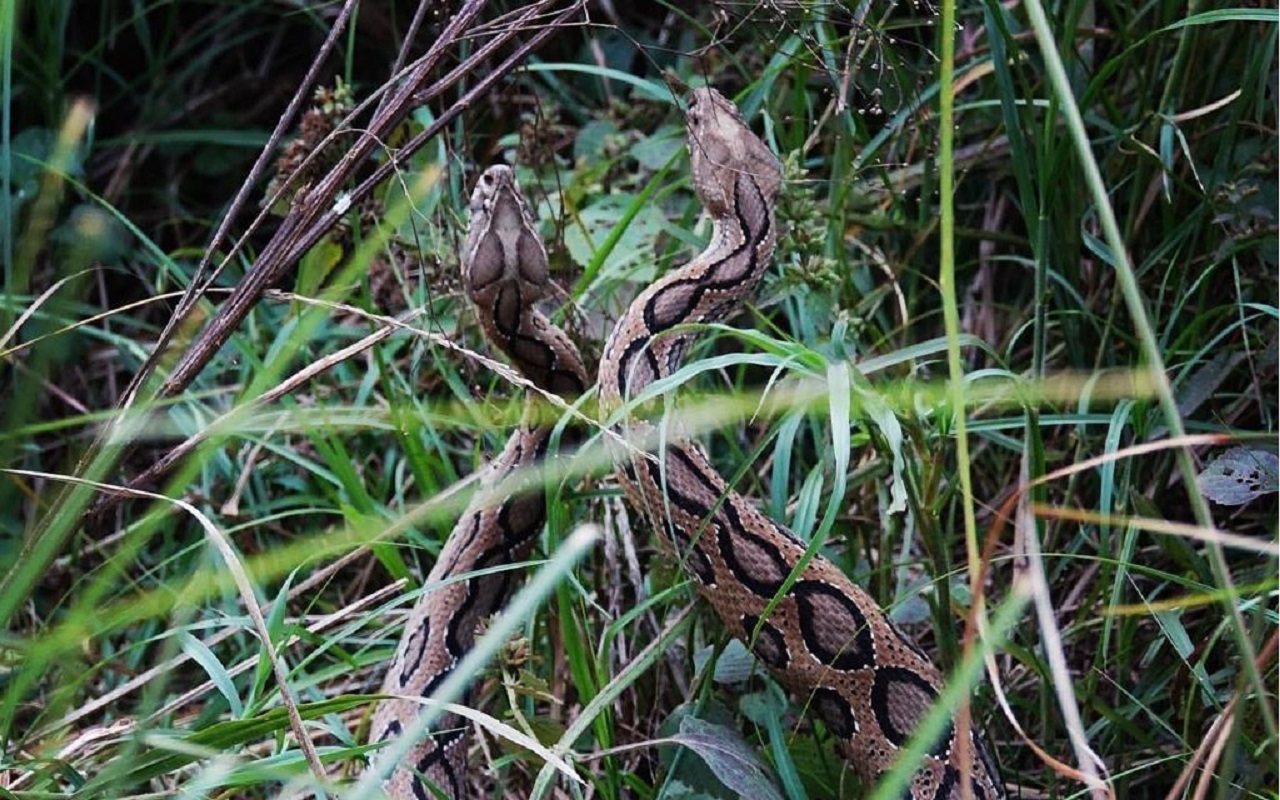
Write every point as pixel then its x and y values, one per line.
pixel 316 265
pixel 878 411
pixel 656 150
pixel 768 709
pixel 592 140
pixel 202 655
pixel 734 763
pixel 645 89
pixel 735 664
pixel 1263 15
pixel 634 246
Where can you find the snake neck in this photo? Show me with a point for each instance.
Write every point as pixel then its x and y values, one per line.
pixel 642 348
pixel 504 267
pixel 538 349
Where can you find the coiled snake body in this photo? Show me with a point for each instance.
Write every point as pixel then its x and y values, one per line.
pixel 824 638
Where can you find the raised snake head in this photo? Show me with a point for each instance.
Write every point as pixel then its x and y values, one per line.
pixel 503 246
pixel 721 148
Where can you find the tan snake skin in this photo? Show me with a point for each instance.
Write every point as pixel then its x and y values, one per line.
pixel 825 639
pixel 505 272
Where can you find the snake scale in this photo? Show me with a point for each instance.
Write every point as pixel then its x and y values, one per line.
pixel 505 273
pixel 825 639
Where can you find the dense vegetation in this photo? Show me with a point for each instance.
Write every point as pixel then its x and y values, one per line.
pixel 1060 221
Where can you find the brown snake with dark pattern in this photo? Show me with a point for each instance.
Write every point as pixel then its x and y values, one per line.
pixel 825 639
pixel 505 272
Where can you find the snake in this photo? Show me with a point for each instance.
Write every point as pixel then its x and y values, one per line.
pixel 821 635
pixel 504 265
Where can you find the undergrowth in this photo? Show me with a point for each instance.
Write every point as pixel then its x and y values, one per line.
pixel 1046 398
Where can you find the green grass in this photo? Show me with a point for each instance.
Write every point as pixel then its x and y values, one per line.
pixel 1026 293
